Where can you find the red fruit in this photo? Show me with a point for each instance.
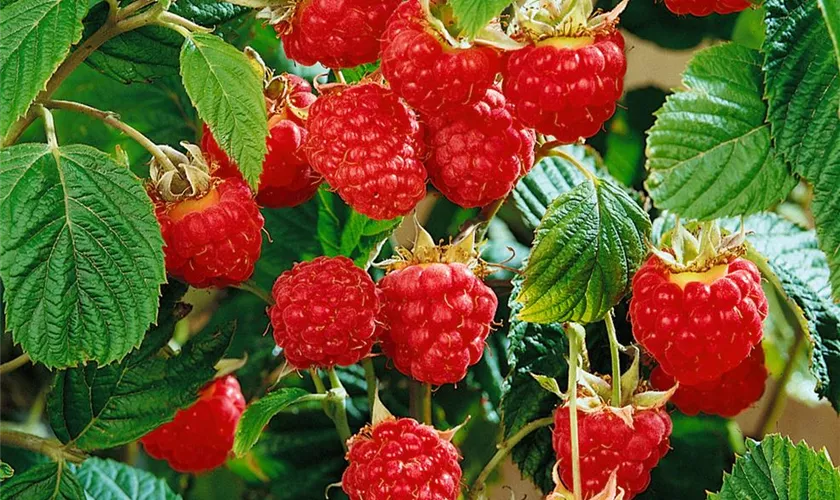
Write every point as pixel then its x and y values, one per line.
pixel 369 146
pixel 213 240
pixel 201 436
pixel 727 396
pixel 478 152
pixel 702 8
pixel 436 319
pixel 627 440
pixel 425 70
pixel 401 459
pixel 698 326
pixel 335 33
pixel 324 313
pixel 567 86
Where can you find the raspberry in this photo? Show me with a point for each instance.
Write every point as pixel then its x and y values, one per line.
pixel 727 396
pixel 567 86
pixel 702 8
pixel 369 146
pixel 478 152
pixel 201 436
pixel 335 33
pixel 324 313
pixel 627 440
pixel 401 458
pixel 698 325
pixel 214 239
pixel 425 70
pixel 436 319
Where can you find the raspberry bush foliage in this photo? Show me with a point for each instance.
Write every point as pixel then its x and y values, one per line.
pixel 413 249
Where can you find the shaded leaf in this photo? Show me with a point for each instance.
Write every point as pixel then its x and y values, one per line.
pixel 258 413
pixel 111 480
pixel 47 481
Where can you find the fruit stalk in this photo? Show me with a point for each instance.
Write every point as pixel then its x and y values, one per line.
pixel 776 406
pixel 251 287
pixel 14 364
pixel 574 342
pixel 370 381
pixel 49 447
pixel 336 407
pixel 616 364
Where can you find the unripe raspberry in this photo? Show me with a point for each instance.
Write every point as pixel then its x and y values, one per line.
pixel 201 436
pixel 436 317
pixel 727 396
pixel 567 86
pixel 324 313
pixel 335 33
pixel 698 326
pixel 425 70
pixel 214 239
pixel 627 440
pixel 368 145
pixel 478 152
pixel 702 8
pixel 401 459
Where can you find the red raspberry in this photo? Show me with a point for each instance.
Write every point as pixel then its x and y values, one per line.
pixel 566 86
pixel 201 436
pixel 214 240
pixel 627 440
pixel 436 320
pixel 324 313
pixel 478 152
pixel 401 458
pixel 698 325
pixel 425 70
pixel 702 8
pixel 335 33
pixel 369 146
pixel 727 396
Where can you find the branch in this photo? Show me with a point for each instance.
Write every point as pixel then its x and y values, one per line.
pixel 14 364
pixel 49 447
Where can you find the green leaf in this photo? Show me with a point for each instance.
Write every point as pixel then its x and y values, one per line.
pixel 803 91
pixel 775 468
pixel 228 93
pixel 473 15
pixel 82 258
pixel 111 480
pixel 6 471
pixel 47 481
pixel 35 36
pixel 709 152
pixel 831 13
pixel 258 414
pixel 95 408
pixel 586 249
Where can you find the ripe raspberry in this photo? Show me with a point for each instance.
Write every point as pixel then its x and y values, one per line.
pixel 698 325
pixel 436 319
pixel 401 458
pixel 567 86
pixel 201 436
pixel 335 33
pixel 425 70
pixel 727 396
pixel 627 440
pixel 324 313
pixel 478 152
pixel 702 8
pixel 212 240
pixel 368 145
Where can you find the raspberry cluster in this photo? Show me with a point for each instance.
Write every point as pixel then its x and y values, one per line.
pixel 702 8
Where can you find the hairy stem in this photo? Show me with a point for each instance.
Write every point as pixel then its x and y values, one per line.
pixel 503 450
pixel 616 362
pixel 10 366
pixel 574 341
pixel 49 447
pixel 316 379
pixel 49 128
pixel 336 407
pixel 370 381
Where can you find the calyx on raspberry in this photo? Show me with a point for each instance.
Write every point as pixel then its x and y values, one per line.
pixel 702 8
pixel 369 147
pixel 211 227
pixel 436 312
pixel 698 308
pixel 401 458
pixel 324 313
pixel 201 436
pixel 478 152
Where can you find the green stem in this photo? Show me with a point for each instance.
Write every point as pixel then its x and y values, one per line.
pixel 49 127
pixel 336 407
pixel 252 287
pixel 616 362
pixel 370 380
pixel 503 449
pixel 574 341
pixel 774 409
pixel 316 379
pixel 574 161
pixel 427 404
pixel 49 447
pixel 10 366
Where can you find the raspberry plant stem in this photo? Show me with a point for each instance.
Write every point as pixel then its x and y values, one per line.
pixel 252 287
pixel 370 381
pixel 14 364
pixel 336 407
pixel 615 347
pixel 575 339
pixel 427 404
pixel 49 447
pixel 559 153
pixel 776 406
pixel 420 401
pixel 316 379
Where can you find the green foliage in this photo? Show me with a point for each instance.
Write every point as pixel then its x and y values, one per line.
pixel 111 480
pixel 831 13
pixel 227 91
pixel 258 414
pixel 81 259
pixel 6 471
pixel 803 92
pixel 47 481
pixel 774 468
pixel 710 153
pixel 473 15
pixel 35 36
